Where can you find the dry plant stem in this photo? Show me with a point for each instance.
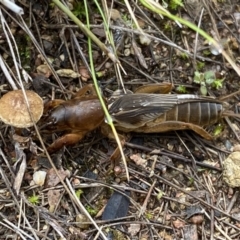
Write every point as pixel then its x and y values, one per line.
pixel 64 42
pixel 232 128
pixel 194 165
pixel 86 31
pixel 7 163
pixel 196 39
pixel 16 201
pixel 27 30
pixel 84 210
pixel 156 7
pixel 140 71
pixel 144 206
pixel 169 43
pixel 229 95
pixel 72 195
pixel 77 46
pixel 7 75
pixel 233 201
pixel 139 9
pixel 155 157
pixel 208 184
pixel 212 223
pixel 14 228
pixel 197 198
pixel 152 151
pixel 107 115
pixel 133 16
pixel 109 37
pixel 8 34
pixel 68 188
pixel 221 231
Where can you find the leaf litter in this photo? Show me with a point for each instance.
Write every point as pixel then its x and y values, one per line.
pixel 176 199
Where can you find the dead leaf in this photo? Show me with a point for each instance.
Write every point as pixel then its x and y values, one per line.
pixel 21 157
pixel 52 179
pixel 138 160
pixel 99 32
pixel 20 174
pixel 196 219
pixel 84 73
pixel 134 229
pixel 43 69
pixel 53 199
pixel 178 224
pixel 25 143
pixel 20 139
pixel 115 14
pixel 68 73
pixel 138 54
pixel 82 218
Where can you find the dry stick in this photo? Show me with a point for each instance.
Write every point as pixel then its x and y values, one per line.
pixel 233 201
pixel 175 156
pixel 14 228
pixel 86 31
pixel 144 206
pixel 229 95
pixel 156 7
pixel 6 73
pixel 72 195
pixel 196 39
pixel 146 33
pixel 194 165
pixel 232 128
pixel 192 195
pixel 221 231
pixel 8 185
pixel 27 30
pixel 84 210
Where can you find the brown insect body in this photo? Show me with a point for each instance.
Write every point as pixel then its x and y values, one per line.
pixel 151 113
pixel 76 117
pixel 140 112
pixel 198 113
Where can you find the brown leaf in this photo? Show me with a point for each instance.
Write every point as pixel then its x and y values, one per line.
pixel 196 219
pixel 20 175
pixel 52 179
pixel 84 73
pixel 178 224
pixel 134 229
pixel 53 199
pixel 80 218
pixel 138 160
pixel 44 70
pixel 68 73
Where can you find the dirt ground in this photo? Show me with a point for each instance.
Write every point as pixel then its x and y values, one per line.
pixel 181 185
